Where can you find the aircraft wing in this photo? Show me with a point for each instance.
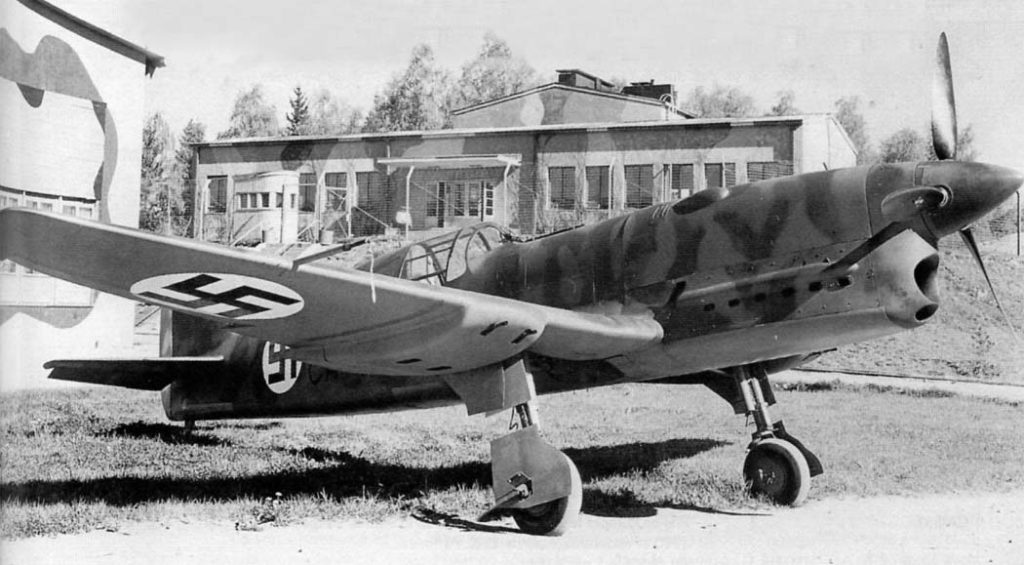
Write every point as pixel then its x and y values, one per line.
pixel 141 374
pixel 342 319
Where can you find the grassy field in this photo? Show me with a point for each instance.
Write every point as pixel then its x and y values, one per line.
pixel 75 460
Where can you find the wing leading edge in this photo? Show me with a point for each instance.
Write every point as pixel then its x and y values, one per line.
pixel 342 319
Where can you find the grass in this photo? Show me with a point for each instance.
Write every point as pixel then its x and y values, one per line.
pixel 82 459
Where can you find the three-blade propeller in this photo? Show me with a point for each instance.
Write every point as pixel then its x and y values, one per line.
pixel 944 141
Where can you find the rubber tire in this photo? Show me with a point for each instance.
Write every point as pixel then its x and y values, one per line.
pixel 777 470
pixel 556 517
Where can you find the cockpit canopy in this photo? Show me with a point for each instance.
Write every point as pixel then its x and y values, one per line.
pixel 441 259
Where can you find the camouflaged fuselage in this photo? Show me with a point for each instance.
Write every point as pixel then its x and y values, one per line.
pixel 735 276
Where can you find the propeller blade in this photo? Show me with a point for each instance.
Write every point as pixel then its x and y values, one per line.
pixel 972 245
pixel 943 104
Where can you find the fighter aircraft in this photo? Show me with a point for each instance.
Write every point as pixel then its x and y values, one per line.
pixel 722 289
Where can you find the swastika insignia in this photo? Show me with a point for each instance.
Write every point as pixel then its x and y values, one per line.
pixel 236 297
pixel 279 372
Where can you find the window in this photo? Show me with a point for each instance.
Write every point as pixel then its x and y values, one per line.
pixel 719 174
pixel 639 186
pixel 457 198
pixel 469 199
pixel 563 187
pixel 488 188
pixel 280 200
pixel 682 181
pixel 473 206
pixel 598 188
pixel 217 190
pixel 336 180
pixel 435 200
pixel 69 210
pixel 336 191
pixel 307 192
pixel 372 188
pixel 768 170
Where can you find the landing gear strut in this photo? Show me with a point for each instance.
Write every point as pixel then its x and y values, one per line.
pixel 534 482
pixel 538 485
pixel 777 466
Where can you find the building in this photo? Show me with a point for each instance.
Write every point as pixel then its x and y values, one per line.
pixel 577 98
pixel 535 178
pixel 71 109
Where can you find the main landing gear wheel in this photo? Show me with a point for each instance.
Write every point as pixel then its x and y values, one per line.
pixel 777 470
pixel 556 517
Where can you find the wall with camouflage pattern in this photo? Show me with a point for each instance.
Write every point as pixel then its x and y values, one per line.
pixel 564 175
pixel 561 104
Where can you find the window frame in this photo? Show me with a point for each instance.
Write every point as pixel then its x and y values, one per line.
pixel 216 205
pixel 566 184
pixel 603 199
pixel 646 194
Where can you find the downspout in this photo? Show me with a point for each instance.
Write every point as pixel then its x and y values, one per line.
pixel 504 194
pixel 408 209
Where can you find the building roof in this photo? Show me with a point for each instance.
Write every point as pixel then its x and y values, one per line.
pixel 598 81
pixel 471 132
pixel 586 91
pixel 95 34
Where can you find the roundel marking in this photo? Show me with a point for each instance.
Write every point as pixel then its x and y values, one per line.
pixel 222 295
pixel 279 373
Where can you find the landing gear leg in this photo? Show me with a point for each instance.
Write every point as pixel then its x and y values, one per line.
pixel 538 485
pixel 190 426
pixel 777 466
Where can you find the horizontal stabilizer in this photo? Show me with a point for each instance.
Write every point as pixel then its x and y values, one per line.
pixel 141 374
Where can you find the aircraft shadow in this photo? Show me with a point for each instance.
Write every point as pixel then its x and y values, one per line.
pixel 165 433
pixel 345 475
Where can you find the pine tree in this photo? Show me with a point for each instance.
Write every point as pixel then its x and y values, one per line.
pixel 298 119
pixel 194 132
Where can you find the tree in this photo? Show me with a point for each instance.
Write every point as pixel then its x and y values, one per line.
pixel 160 195
pixel 785 105
pixel 298 119
pixel 848 115
pixel 720 102
pixel 910 145
pixel 156 145
pixel 332 116
pixel 494 73
pixel 417 99
pixel 194 132
pixel 904 145
pixel 251 116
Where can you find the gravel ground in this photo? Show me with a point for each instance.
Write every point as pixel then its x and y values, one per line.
pixel 960 528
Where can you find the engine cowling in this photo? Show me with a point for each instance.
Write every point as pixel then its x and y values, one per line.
pixel 906 270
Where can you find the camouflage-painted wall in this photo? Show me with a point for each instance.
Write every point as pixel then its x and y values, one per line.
pixel 650 153
pixel 70 99
pixel 559 104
